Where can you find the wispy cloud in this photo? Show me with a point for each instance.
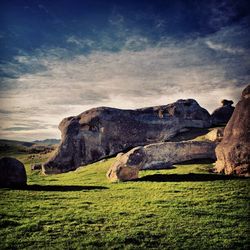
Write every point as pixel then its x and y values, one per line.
pixel 80 42
pixel 23 128
pixel 52 83
pixel 223 48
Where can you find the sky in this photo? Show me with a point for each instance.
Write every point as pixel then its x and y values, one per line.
pixel 60 58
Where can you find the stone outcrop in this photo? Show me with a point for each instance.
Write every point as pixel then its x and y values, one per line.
pixel 233 153
pixel 12 173
pixel 222 114
pixel 102 132
pixel 158 156
pixel 215 135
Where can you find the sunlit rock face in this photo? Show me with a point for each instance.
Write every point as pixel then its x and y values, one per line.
pixel 223 114
pixel 102 132
pixel 233 153
pixel 158 156
pixel 215 135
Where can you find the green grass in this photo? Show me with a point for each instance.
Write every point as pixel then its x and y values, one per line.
pixel 181 208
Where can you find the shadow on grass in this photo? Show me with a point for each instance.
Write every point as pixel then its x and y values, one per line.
pixel 187 177
pixel 59 188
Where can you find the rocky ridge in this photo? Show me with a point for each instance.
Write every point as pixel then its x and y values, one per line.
pixel 103 132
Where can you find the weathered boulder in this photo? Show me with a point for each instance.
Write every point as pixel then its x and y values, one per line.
pixel 222 114
pixel 233 153
pixel 12 173
pixel 215 135
pixel 158 156
pixel 102 132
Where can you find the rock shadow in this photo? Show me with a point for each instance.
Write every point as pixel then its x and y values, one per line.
pixel 187 177
pixel 189 135
pixel 58 188
pixel 196 161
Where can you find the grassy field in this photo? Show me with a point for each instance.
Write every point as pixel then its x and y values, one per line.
pixel 182 208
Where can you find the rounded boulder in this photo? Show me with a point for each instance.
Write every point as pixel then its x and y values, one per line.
pixel 12 173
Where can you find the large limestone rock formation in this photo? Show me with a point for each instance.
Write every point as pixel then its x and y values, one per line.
pixel 233 153
pixel 102 132
pixel 158 156
pixel 222 114
pixel 12 173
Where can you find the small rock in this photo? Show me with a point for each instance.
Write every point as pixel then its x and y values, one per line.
pixel 36 167
pixel 119 155
pixel 215 135
pixel 225 102
pixel 103 160
pixel 223 114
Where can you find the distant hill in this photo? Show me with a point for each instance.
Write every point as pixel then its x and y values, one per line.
pixel 47 142
pixel 29 147
pixel 15 143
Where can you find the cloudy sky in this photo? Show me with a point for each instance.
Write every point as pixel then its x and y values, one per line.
pixel 60 58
